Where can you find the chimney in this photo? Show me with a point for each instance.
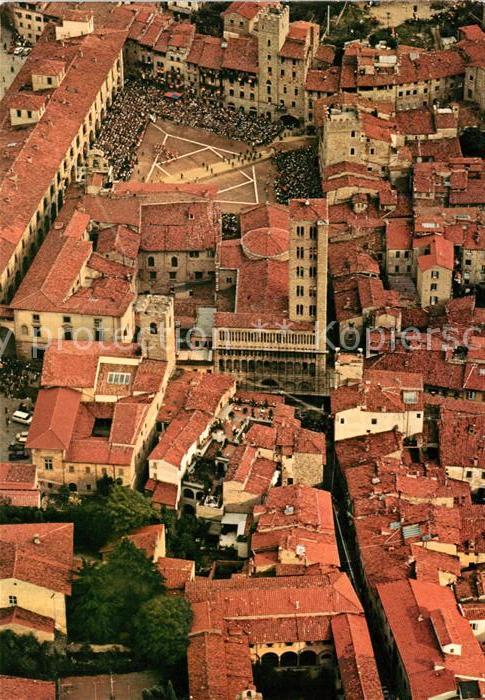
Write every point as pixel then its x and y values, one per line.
pixel 36 539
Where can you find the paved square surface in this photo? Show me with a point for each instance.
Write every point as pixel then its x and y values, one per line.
pixel 173 153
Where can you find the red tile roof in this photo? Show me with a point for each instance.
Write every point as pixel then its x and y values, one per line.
pixel 185 430
pixel 18 484
pixel 248 10
pixel 176 572
pixel 380 391
pixel 461 438
pixel 74 363
pixel 41 554
pixel 179 226
pixel 23 190
pixel 54 418
pixel 162 493
pixel 26 689
pixel 28 619
pixel 241 54
pixel 355 658
pixel 416 612
pixel 231 614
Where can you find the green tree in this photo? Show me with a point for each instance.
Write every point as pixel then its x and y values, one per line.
pixel 128 509
pixel 91 614
pixel 160 630
pixel 105 597
pixel 23 655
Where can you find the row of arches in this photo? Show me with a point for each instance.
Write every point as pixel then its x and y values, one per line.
pixel 278 367
pixel 292 659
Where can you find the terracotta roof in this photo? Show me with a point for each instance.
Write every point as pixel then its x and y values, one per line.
pixel 461 438
pixel 75 363
pixel 184 430
pixel 162 493
pixel 206 52
pixel 355 658
pixel 416 612
pixel 40 553
pixel 266 243
pixel 54 417
pixel 23 189
pixel 231 614
pixel 399 234
pixel 53 282
pixel 27 689
pixel 264 216
pixel 379 391
pixel 241 54
pixel 179 226
pixel 26 618
pixel 18 484
pixel 176 572
pixel 248 10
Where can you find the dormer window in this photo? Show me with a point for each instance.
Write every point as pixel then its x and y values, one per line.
pixel 122 378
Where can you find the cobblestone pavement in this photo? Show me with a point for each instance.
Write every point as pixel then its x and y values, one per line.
pixel 9 64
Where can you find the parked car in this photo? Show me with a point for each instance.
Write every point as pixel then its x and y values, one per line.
pixel 21 438
pixel 22 417
pixel 16 447
pixel 17 51
pixel 17 455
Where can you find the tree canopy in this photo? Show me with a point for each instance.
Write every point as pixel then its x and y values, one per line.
pixel 105 597
pixel 160 630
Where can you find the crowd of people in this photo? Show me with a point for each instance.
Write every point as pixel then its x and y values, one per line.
pixel 230 225
pixel 142 101
pixel 16 377
pixel 298 175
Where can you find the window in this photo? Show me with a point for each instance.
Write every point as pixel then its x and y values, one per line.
pixel 374 421
pixel 468 474
pixel 151 261
pixel 300 252
pixel 199 275
pixel 342 421
pixel 98 329
pixel 88 470
pixel 172 275
pixel 66 319
pixel 300 231
pixel 35 318
pixel 36 331
pixel 410 396
pixel 19 113
pixel 119 377
pixel 433 300
pixel 300 272
pixel 300 290
pixel 468 262
pixel 153 329
pixel 434 287
pixel 48 466
pixel 193 254
pixel 299 309
pixel 174 261
pixel 153 275
pixel 352 151
pixel 12 600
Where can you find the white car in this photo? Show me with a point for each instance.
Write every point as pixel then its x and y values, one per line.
pixel 17 51
pixel 22 417
pixel 21 438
